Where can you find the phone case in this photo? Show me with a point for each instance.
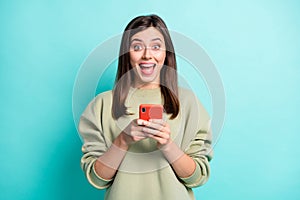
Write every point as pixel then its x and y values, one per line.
pixel 151 111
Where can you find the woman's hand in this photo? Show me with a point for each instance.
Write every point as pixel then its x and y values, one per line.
pixel 157 129
pixel 133 132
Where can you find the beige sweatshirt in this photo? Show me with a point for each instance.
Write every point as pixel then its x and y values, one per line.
pixel 144 173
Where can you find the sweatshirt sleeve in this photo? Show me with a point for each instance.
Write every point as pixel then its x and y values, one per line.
pixel 198 145
pixel 200 151
pixel 94 144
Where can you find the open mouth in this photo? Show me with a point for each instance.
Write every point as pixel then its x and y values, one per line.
pixel 147 68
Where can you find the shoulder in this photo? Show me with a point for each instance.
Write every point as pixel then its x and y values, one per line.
pixel 186 96
pixel 104 96
pixel 185 92
pixel 103 99
pixel 190 102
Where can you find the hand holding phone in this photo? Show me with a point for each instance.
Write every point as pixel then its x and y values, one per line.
pixel 158 129
pixel 150 111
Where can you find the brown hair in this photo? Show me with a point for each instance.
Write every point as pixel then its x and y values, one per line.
pixel 168 74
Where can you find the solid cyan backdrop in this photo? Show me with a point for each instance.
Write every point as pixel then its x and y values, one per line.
pixel 254 45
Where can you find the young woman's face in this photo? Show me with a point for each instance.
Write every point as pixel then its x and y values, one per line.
pixel 147 56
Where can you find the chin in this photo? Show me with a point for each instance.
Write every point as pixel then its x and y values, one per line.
pixel 147 80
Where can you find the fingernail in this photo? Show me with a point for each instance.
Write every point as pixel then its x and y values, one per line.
pixel 139 122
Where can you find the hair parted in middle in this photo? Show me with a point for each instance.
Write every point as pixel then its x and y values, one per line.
pixel 125 76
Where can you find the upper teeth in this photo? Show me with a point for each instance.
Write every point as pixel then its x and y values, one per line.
pixel 147 65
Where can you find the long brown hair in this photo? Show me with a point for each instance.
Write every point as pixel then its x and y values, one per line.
pixel 125 76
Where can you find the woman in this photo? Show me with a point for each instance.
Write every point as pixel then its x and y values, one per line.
pixel 137 159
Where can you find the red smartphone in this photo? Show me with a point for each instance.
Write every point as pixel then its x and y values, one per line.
pixel 151 111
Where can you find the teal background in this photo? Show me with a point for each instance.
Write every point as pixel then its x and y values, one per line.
pixel 255 46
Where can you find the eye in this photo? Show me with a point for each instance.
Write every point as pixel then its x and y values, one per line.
pixel 156 47
pixel 137 47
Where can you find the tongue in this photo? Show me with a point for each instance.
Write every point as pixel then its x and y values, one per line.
pixel 147 71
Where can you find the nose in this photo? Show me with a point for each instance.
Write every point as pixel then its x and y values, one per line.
pixel 147 53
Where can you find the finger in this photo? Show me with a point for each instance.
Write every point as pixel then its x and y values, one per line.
pixel 158 121
pixel 151 131
pixel 133 129
pixel 138 131
pixel 155 126
pixel 138 138
pixel 139 134
pixel 156 133
pixel 159 139
pixel 141 122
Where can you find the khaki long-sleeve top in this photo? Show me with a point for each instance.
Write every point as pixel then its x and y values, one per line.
pixel 144 173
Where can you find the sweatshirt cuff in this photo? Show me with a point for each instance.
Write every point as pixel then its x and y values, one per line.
pixel 96 180
pixel 193 179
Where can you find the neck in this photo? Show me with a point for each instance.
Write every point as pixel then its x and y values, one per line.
pixel 147 86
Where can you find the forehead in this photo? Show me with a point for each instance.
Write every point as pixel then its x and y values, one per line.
pixel 148 35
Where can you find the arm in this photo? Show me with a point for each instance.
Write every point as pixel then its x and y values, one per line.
pixel 191 166
pixel 190 161
pixel 196 157
pixel 182 164
pixel 197 141
pixel 100 161
pixel 94 143
pixel 107 165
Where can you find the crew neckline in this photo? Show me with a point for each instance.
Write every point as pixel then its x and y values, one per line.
pixel 144 92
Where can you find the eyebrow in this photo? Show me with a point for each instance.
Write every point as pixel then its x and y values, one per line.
pixel 156 39
pixel 139 40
